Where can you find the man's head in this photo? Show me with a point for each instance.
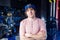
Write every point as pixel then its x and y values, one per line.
pixel 30 10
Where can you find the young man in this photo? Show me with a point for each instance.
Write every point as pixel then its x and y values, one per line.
pixel 32 28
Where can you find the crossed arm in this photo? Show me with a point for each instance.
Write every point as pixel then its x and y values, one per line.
pixel 42 34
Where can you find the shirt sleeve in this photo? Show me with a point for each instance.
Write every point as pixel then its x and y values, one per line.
pixel 21 29
pixel 43 25
pixel 43 28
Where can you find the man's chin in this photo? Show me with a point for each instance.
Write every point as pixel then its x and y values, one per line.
pixel 31 17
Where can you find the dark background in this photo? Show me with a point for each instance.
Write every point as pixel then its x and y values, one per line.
pixel 16 7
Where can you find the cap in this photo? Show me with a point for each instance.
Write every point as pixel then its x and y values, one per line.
pixel 30 6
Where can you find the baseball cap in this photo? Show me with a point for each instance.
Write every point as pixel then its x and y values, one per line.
pixel 30 6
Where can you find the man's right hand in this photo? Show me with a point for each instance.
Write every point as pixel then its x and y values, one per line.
pixel 28 35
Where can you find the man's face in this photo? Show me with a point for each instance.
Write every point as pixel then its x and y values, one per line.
pixel 30 12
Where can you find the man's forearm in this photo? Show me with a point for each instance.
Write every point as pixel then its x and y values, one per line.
pixel 40 35
pixel 22 37
pixel 26 38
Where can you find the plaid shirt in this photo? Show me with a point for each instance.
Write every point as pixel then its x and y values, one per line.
pixel 32 27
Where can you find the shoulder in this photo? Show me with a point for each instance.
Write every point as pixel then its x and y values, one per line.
pixel 41 21
pixel 23 21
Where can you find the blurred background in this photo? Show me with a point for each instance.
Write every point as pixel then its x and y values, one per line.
pixel 12 12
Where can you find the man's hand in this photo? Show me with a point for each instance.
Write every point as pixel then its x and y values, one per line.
pixel 28 35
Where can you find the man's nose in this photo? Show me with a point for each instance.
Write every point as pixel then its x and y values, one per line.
pixel 30 11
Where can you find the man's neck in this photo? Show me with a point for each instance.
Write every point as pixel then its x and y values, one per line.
pixel 31 19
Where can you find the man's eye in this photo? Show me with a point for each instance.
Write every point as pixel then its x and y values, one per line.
pixel 31 9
